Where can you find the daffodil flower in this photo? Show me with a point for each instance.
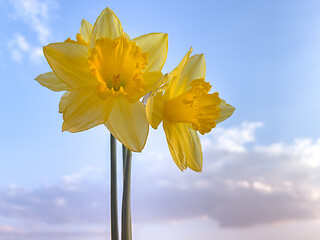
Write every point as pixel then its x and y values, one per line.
pixel 105 74
pixel 185 106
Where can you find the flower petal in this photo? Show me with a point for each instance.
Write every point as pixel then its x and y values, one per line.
pixel 173 77
pixel 51 81
pixel 69 62
pixel 151 81
pixel 107 25
pixel 159 86
pixel 154 109
pixel 184 145
pixel 63 102
pixel 85 30
pixel 156 44
pixel 126 35
pixel 128 123
pixel 226 110
pixel 194 69
pixel 85 110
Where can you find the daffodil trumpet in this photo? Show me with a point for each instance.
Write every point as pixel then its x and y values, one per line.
pixel 185 107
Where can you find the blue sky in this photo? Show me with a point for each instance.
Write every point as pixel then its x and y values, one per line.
pixel 261 166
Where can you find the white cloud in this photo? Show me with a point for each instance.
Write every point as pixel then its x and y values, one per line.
pixel 243 184
pixel 232 139
pixel 78 176
pixel 16 55
pixel 8 229
pixel 36 14
pixel 262 187
pixel 20 48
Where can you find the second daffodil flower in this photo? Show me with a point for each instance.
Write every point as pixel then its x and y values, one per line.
pixel 185 106
pixel 105 74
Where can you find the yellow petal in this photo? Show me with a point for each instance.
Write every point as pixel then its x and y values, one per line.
pixel 128 123
pixel 184 145
pixel 173 77
pixel 226 110
pixel 51 81
pixel 159 86
pixel 154 109
pixel 107 25
pixel 195 159
pixel 85 110
pixel 63 102
pixel 194 69
pixel 151 81
pixel 69 62
pixel 126 35
pixel 156 44
pixel 85 30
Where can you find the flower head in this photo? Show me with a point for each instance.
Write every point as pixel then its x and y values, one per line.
pixel 185 106
pixel 105 73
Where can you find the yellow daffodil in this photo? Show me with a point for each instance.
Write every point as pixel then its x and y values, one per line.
pixel 105 74
pixel 185 106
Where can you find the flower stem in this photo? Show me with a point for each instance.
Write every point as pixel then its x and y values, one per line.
pixel 126 200
pixel 113 189
pixel 124 157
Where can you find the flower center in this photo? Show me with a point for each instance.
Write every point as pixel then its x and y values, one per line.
pixel 195 106
pixel 118 65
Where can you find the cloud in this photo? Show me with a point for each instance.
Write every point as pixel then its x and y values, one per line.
pixel 7 229
pixel 243 184
pixel 11 233
pixel 36 14
pixel 20 48
pixel 65 202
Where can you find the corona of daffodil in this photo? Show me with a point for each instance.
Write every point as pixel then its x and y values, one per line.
pixel 104 74
pixel 186 107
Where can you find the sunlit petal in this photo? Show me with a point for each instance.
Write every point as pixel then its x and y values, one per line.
pixel 226 110
pixel 128 123
pixel 69 62
pixel 85 30
pixel 85 110
pixel 156 45
pixel 151 81
pixel 184 145
pixel 107 25
pixel 51 81
pixel 194 69
pixel 64 101
pixel 126 35
pixel 154 109
pixel 173 78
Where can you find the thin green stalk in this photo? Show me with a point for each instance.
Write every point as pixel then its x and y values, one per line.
pixel 113 189
pixel 126 200
pixel 124 156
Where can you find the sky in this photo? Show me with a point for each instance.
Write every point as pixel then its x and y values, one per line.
pixel 261 172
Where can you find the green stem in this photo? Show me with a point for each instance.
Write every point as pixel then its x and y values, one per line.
pixel 113 189
pixel 126 200
pixel 124 156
